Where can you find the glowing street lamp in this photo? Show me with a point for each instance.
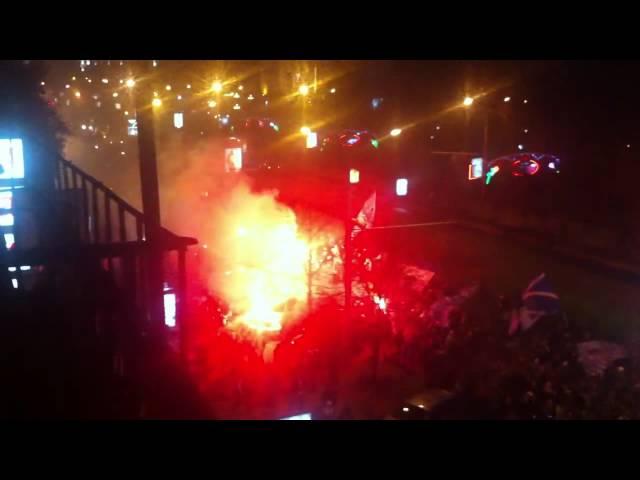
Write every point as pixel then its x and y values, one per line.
pixel 305 130
pixel 303 89
pixel 468 101
pixel 130 83
pixel 156 102
pixel 216 86
pixel 395 132
pixel 354 176
pixel 212 103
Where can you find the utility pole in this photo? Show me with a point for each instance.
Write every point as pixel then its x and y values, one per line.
pixel 150 196
pixel 485 149
pixel 347 256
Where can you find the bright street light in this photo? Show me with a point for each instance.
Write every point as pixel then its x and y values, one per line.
pixel 468 101
pixel 507 99
pixel 305 130
pixel 130 83
pixel 303 89
pixel 395 132
pixel 156 102
pixel 216 86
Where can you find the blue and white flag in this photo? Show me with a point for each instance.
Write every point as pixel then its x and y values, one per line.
pixel 366 216
pixel 538 300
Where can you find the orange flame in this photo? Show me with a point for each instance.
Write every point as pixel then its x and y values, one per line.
pixel 258 246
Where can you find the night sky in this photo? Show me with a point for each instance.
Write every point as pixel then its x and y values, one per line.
pixel 582 111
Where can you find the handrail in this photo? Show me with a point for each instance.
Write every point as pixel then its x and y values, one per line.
pixel 39 255
pixel 130 208
pixel 110 196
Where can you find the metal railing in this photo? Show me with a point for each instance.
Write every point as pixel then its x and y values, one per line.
pixel 105 216
pixel 92 224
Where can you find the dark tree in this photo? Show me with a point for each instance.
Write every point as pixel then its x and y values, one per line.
pixel 26 114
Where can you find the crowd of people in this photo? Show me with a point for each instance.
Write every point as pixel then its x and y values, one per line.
pixel 534 374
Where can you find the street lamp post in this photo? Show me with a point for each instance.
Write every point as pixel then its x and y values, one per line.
pixel 467 103
pixel 150 199
pixel 485 148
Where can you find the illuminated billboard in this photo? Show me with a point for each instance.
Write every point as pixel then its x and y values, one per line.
pixel 475 169
pixel 178 120
pixel 132 127
pixel 233 159
pixel 11 158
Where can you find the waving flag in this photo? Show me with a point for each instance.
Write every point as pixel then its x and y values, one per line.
pixel 441 311
pixel 595 357
pixel 366 216
pixel 538 300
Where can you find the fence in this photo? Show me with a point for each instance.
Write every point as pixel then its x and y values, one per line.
pixel 96 225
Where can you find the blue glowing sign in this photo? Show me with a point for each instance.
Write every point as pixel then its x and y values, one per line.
pixel 11 158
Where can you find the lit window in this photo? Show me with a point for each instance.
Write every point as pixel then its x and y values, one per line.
pixel 354 176
pixel 14 282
